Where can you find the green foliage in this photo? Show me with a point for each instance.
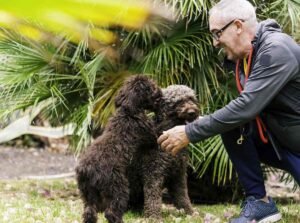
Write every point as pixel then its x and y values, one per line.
pixel 211 152
pixel 286 12
pixel 66 76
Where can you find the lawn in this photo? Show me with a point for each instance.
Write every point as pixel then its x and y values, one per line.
pixel 57 201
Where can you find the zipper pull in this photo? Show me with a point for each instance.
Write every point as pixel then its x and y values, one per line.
pixel 240 140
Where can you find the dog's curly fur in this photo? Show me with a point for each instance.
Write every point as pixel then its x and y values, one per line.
pixel 103 171
pixel 158 169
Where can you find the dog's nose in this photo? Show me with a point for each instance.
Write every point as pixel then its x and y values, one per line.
pixel 191 115
pixel 191 112
pixel 157 100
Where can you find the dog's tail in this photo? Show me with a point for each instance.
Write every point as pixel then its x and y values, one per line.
pixel 94 176
pixel 93 186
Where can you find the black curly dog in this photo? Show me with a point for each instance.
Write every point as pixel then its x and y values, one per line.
pixel 103 171
pixel 156 169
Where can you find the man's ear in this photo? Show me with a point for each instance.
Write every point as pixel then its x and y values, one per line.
pixel 239 26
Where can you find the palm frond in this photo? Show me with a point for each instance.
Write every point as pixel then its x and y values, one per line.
pixel 283 176
pixel 208 153
pixel 103 106
pixel 211 153
pixel 82 117
pixel 191 9
pixel 147 37
pixel 172 58
pixel 286 12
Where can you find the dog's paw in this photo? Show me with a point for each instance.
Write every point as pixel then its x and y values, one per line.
pixel 89 215
pixel 111 217
pixel 196 214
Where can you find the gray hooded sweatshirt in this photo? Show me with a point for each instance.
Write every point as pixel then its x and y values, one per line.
pixel 273 89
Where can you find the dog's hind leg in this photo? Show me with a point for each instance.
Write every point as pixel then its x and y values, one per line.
pixel 91 203
pixel 119 190
pixel 90 214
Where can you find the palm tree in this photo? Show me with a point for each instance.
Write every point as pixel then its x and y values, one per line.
pixel 76 78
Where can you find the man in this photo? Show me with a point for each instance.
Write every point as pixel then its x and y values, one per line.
pixel 269 96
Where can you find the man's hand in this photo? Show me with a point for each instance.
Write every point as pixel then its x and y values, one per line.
pixel 173 140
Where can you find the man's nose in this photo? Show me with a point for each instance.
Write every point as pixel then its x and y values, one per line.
pixel 216 43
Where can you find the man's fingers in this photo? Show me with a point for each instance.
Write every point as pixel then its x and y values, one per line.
pixel 169 148
pixel 175 150
pixel 162 138
pixel 173 140
pixel 165 144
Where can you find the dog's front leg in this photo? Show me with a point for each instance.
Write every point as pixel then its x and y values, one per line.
pixel 153 196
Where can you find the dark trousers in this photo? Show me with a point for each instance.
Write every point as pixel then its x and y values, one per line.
pixel 247 158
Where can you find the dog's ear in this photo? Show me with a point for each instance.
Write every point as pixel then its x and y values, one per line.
pixel 167 110
pixel 126 99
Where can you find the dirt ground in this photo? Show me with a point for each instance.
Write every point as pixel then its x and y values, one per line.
pixel 17 163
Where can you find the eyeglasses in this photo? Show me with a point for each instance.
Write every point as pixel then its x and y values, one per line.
pixel 216 34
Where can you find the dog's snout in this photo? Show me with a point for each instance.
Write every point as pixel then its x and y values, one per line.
pixel 157 101
pixel 157 97
pixel 191 112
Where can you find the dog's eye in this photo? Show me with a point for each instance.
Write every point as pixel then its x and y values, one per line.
pixel 192 100
pixel 178 103
pixel 148 89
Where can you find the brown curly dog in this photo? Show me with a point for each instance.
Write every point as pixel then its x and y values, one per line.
pixel 103 171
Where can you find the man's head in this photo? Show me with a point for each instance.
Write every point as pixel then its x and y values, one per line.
pixel 233 25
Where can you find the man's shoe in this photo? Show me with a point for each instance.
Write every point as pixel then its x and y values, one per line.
pixel 254 210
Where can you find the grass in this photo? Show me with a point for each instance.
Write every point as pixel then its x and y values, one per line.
pixel 57 201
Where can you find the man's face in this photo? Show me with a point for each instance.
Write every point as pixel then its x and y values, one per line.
pixel 226 36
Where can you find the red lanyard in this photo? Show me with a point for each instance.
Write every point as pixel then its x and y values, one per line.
pixel 260 125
